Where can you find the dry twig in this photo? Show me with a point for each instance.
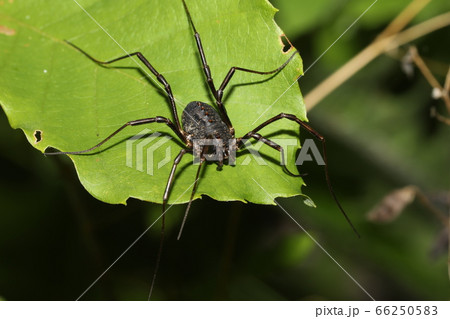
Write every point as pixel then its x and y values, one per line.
pixel 391 38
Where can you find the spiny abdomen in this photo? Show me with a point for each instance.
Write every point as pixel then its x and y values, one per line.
pixel 202 121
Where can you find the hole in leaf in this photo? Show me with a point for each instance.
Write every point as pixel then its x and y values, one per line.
pixel 37 136
pixel 286 44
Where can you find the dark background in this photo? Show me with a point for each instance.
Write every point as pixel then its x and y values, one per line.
pixel 56 239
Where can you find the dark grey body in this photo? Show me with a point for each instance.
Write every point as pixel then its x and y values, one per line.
pixel 204 126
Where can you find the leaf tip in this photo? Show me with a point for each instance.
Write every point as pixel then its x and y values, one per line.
pixel 309 202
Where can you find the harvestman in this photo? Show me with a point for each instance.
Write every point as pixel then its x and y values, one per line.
pixel 207 133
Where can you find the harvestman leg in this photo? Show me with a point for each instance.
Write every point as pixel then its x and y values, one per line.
pixel 194 189
pixel 230 74
pixel 273 145
pixel 176 161
pixel 233 69
pixel 157 119
pixel 218 94
pixel 292 117
pixel 158 75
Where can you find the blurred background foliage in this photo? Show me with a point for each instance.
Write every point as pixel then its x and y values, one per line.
pixel 55 239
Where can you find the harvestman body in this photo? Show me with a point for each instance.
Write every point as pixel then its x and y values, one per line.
pixel 202 122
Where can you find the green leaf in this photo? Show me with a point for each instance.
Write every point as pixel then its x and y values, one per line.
pixel 48 87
